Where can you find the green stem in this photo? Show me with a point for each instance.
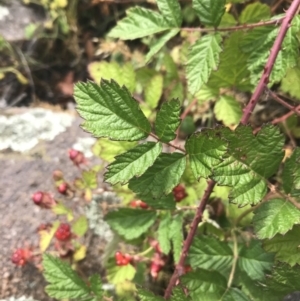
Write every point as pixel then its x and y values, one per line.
pixel 235 258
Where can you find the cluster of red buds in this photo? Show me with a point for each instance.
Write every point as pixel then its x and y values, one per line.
pixel 43 199
pixel 21 256
pixel 122 259
pixel 157 260
pixel 138 204
pixel 179 193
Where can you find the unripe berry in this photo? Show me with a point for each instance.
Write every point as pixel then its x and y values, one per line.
pixel 138 203
pixel 62 188
pixel 20 257
pixel 37 197
pixel 43 199
pixel 63 233
pixel 77 157
pixel 57 175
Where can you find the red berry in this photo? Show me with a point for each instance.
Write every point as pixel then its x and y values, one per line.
pixel 63 232
pixel 143 205
pixel 20 257
pixel 155 269
pixel 37 197
pixel 43 199
pixel 76 156
pixel 179 193
pixel 138 203
pixel 62 188
pixel 178 188
pixel 122 259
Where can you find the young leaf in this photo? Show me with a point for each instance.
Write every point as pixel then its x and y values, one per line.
pixel 64 282
pixel 161 177
pixel 291 174
pixel 211 254
pixel 165 202
pixel 176 235
pixel 252 159
pixel 289 83
pixel 285 247
pixel 120 274
pixel 210 12
pixel 96 285
pixel 167 120
pixel 163 233
pixel 154 90
pixel 139 22
pixel 178 294
pixel 160 43
pixel 132 163
pixel 255 12
pixel 171 11
pixel 80 226
pixel 145 295
pixel 205 150
pixel 110 111
pixel 228 110
pixel 130 223
pixel 203 58
pixel 277 216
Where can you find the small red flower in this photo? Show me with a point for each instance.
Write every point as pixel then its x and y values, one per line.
pixel 63 233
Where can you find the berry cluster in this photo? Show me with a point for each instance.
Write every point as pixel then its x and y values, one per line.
pixel 122 259
pixel 138 204
pixel 63 233
pixel 20 257
pixel 179 193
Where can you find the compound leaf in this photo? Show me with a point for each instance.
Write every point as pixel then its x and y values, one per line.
pixel 110 111
pixel 277 216
pixel 130 223
pixel 286 247
pixel 161 177
pixel 171 11
pixel 205 150
pixel 203 58
pixel 132 163
pixel 291 174
pixel 64 282
pixel 210 12
pixel 167 120
pixel 139 22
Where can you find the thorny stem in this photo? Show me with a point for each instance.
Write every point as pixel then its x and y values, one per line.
pixel 179 269
pixel 245 118
pixel 286 116
pixel 286 22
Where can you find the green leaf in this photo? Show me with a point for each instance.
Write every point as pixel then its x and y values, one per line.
pixel 96 285
pixel 88 180
pixel 276 216
pixel 211 254
pixel 203 58
pixel 251 160
pixel 110 111
pixel 165 202
pixel 107 149
pixel 163 233
pixel 178 294
pixel 64 282
pixel 167 120
pixel 254 261
pixel 291 174
pixel 289 83
pixel 228 110
pixel 160 43
pixel 130 223
pixel 210 12
pixel 255 12
pixel 171 11
pixel 80 226
pixel 154 90
pixel 132 163
pixel 285 247
pixel 161 177
pixel 119 274
pixel 205 150
pixel 139 22
pixel 176 235
pixel 145 295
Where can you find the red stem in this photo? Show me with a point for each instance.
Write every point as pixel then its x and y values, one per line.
pixel 271 60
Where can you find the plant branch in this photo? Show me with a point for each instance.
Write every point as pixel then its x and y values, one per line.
pixel 234 28
pixel 235 258
pixel 168 143
pixel 286 22
pixel 179 269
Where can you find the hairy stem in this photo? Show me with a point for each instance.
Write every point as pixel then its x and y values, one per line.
pixel 271 60
pixel 187 243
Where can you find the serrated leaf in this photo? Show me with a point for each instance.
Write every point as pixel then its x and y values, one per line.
pixel 89 179
pixel 132 163
pixel 255 12
pixel 96 285
pixel 161 177
pixel 61 209
pixel 145 295
pixel 234 294
pixel 139 22
pixel 165 202
pixel 228 110
pixel 64 282
pixel 163 233
pixel 171 11
pixel 178 294
pixel 176 236
pixel 205 150
pixel 130 223
pixel 154 90
pixel 119 274
pixel 203 58
pixel 160 43
pixel 167 120
pixel 254 261
pixel 291 174
pixel 210 12
pixel 289 83
pixel 80 226
pixel 211 254
pixel 277 216
pixel 252 159
pixel 110 111
pixel 107 149
pixel 285 247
